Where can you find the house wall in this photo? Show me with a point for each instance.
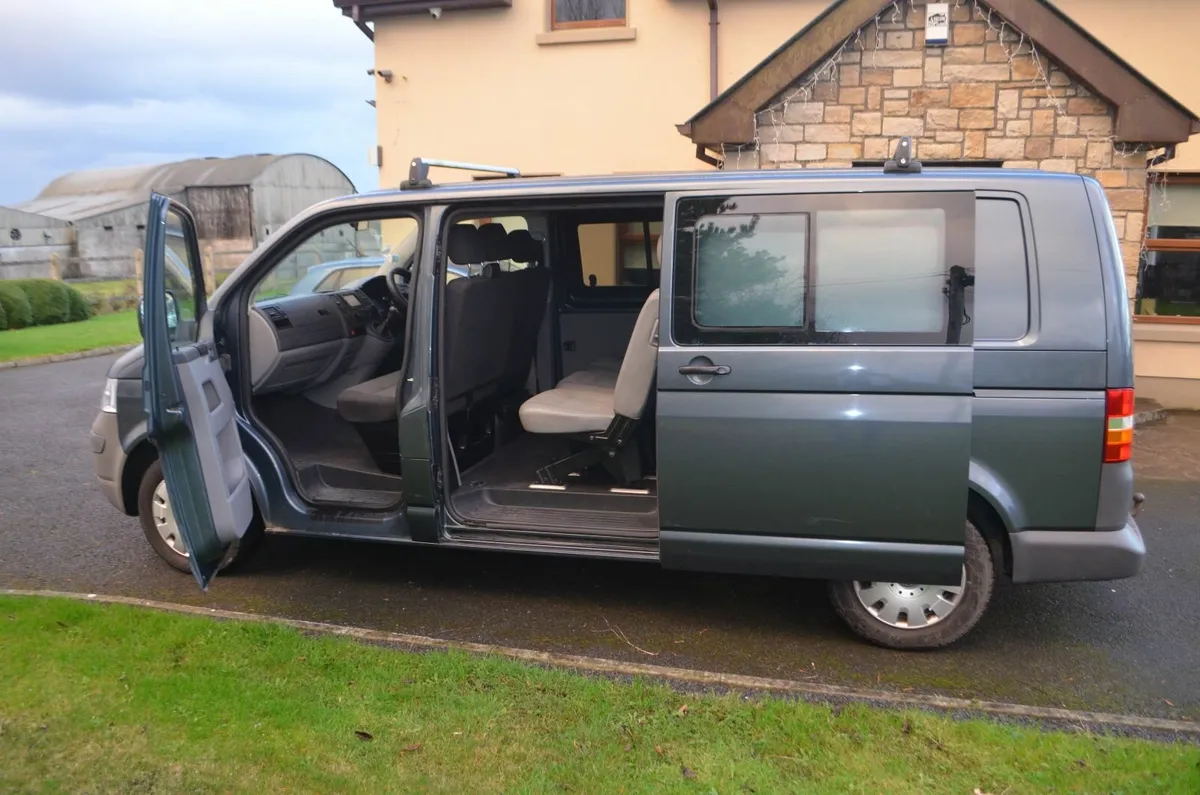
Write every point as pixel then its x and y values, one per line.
pixel 492 86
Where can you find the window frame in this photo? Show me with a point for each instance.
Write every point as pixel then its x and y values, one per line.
pixel 584 24
pixel 1164 244
pixel 959 209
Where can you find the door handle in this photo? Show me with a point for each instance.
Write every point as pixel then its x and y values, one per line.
pixel 704 369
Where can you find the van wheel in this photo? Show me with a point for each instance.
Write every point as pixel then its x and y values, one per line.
pixel 905 616
pixel 158 525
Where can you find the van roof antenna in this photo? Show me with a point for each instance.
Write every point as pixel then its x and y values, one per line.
pixel 903 162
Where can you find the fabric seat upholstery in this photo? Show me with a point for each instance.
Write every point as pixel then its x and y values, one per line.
pixel 370 401
pixel 585 408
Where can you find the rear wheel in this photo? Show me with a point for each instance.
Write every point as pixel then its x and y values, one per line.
pixel 911 616
pixel 159 527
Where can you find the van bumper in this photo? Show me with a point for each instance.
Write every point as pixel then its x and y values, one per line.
pixel 108 459
pixel 1074 555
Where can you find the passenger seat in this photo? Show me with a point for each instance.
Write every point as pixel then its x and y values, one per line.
pixel 603 372
pixel 581 408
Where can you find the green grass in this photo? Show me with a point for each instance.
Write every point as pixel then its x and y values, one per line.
pixel 119 328
pixel 107 289
pixel 97 698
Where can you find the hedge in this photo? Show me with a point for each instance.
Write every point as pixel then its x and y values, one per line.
pixel 78 307
pixel 17 312
pixel 40 302
pixel 48 299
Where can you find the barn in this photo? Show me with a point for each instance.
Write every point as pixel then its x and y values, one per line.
pixel 95 221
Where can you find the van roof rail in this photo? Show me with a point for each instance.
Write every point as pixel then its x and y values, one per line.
pixel 418 171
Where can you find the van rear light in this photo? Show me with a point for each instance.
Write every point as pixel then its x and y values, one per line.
pixel 1118 432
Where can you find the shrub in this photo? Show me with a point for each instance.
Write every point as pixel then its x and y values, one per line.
pixel 16 305
pixel 49 300
pixel 3 318
pixel 78 307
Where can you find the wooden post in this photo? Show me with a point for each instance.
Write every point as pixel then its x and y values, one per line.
pixel 210 271
pixel 55 274
pixel 137 270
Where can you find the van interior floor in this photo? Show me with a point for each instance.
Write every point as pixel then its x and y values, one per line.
pixel 503 491
pixel 333 465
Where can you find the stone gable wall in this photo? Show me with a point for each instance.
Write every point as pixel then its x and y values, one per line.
pixel 987 95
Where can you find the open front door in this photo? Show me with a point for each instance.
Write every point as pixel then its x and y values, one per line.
pixel 189 403
pixel 815 376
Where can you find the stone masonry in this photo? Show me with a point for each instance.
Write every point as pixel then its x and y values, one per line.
pixel 988 95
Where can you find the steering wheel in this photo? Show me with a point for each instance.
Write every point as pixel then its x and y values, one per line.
pixel 397 280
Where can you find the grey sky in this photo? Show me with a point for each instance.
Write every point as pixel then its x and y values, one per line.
pixel 90 84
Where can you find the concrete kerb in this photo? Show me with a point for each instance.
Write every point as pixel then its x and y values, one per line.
pixel 1051 715
pixel 66 357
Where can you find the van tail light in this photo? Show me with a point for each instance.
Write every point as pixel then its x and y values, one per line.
pixel 1118 426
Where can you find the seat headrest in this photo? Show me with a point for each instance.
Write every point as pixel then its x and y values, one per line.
pixel 490 270
pixel 523 247
pixel 494 239
pixel 463 245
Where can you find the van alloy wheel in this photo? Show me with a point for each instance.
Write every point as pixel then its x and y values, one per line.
pixel 164 519
pixel 899 615
pixel 907 606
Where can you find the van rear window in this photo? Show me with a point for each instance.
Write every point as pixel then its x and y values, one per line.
pixel 1001 271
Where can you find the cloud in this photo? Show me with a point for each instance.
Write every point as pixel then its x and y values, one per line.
pixel 90 85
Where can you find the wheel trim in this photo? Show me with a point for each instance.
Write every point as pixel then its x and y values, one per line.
pixel 164 520
pixel 907 606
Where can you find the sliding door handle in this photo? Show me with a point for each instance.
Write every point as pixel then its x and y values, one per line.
pixel 704 369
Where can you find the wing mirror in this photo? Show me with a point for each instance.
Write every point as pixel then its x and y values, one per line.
pixel 172 315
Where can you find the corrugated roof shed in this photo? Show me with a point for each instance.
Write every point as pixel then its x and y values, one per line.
pixel 85 194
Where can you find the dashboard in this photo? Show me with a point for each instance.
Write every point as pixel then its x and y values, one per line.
pixel 302 341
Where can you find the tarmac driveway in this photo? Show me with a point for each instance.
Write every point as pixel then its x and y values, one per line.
pixel 1130 645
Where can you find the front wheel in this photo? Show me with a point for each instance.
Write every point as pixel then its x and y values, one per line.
pixel 159 527
pixel 909 616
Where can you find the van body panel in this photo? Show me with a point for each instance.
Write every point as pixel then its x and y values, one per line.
pixel 1117 309
pixel 1046 450
pixel 1030 368
pixel 825 558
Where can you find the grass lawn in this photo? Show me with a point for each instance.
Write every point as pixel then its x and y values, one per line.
pixel 106 698
pixel 101 331
pixel 105 289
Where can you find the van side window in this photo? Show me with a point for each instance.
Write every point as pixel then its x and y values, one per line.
pixel 750 270
pixel 1002 272
pixel 880 270
pixel 825 269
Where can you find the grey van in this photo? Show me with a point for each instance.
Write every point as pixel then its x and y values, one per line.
pixel 907 383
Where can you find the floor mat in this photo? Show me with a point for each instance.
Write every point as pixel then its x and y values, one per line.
pixel 313 434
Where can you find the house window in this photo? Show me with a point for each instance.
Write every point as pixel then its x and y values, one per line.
pixel 1169 269
pixel 568 14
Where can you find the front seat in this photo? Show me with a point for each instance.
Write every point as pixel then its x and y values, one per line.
pixel 605 418
pixel 375 400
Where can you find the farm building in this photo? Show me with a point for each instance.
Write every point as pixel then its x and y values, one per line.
pixel 95 221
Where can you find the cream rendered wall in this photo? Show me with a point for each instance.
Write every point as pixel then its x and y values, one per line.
pixel 1158 38
pixel 477 86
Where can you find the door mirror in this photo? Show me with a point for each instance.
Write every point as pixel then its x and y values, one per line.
pixel 172 315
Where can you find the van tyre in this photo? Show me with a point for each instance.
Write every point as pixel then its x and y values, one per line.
pixel 158 526
pixel 876 620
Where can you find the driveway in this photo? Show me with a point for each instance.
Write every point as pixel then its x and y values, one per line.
pixel 1131 646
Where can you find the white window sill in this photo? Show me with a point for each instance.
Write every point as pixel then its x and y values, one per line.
pixel 585 35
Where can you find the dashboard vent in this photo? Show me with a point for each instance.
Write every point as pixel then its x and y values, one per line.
pixel 277 317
